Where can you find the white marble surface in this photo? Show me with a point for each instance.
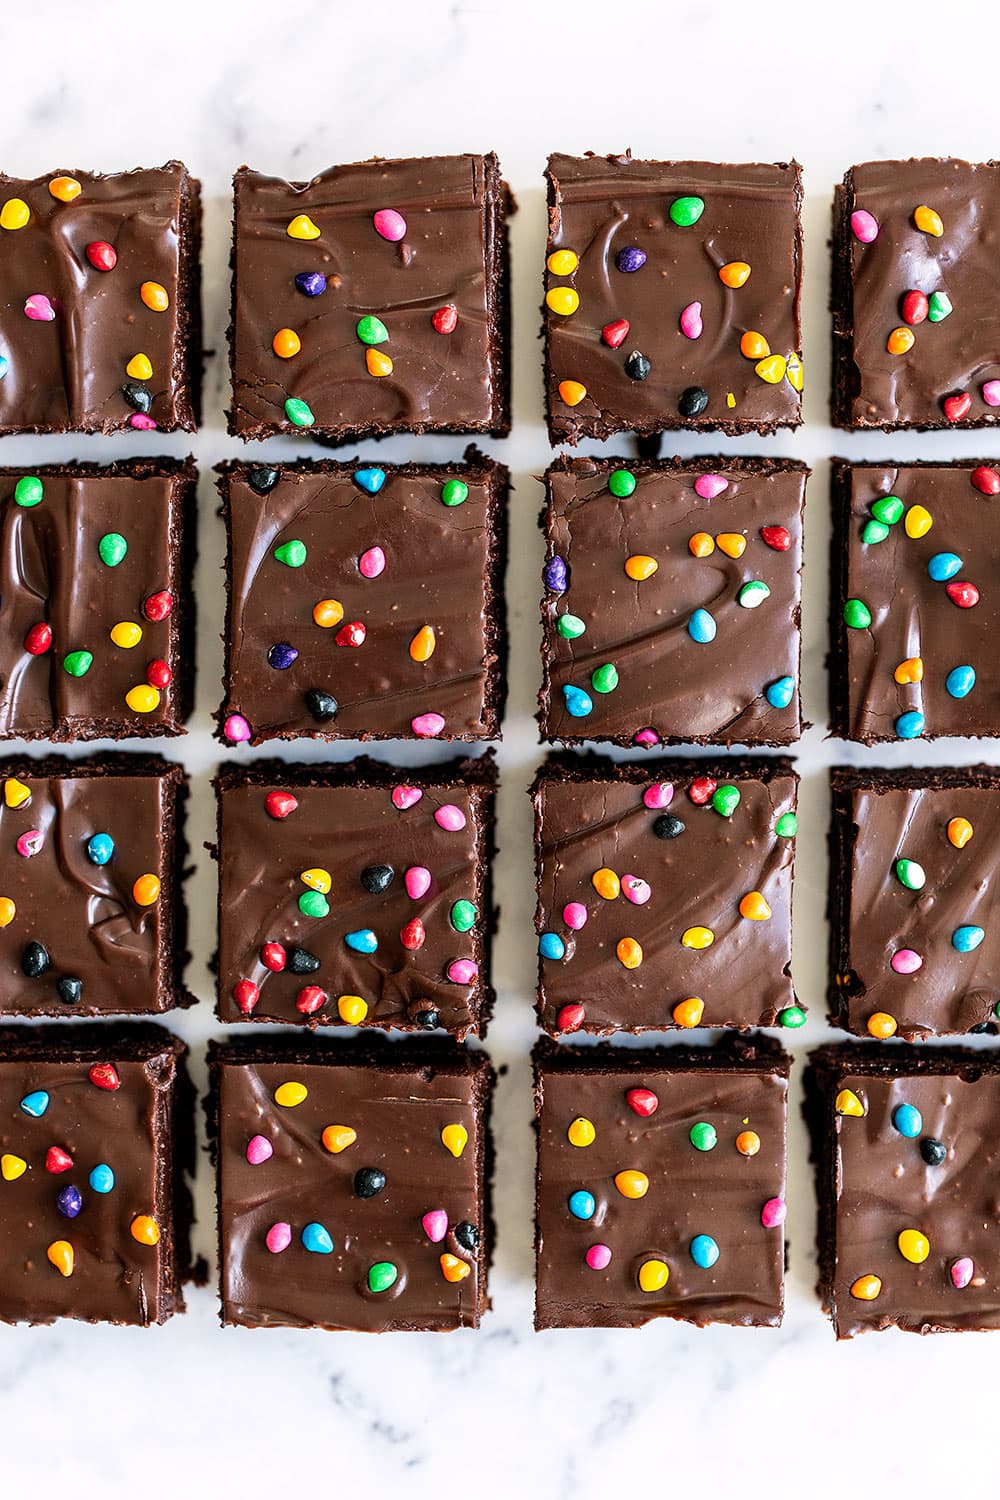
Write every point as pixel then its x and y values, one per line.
pixel 290 88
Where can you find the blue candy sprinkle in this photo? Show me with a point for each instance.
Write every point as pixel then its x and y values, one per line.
pixel 35 1104
pixel 69 1202
pixel 582 1205
pixel 100 848
pixel 908 1120
pixel 3 367
pixel 965 939
pixel 910 726
pixel 551 945
pixel 317 1239
pixel 960 681
pixel 944 565
pixel 362 941
pixel 704 1251
pixel 701 627
pixel 555 575
pixel 102 1179
pixel 578 703
pixel 780 693
pixel 371 480
pixel 311 283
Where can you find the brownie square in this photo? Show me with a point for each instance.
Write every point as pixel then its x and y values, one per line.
pixel 353 1184
pixel 92 916
pixel 916 329
pixel 671 611
pixel 96 1137
pixel 664 894
pixel 96 582
pixel 913 603
pixel 404 940
pixel 913 949
pixel 904 1145
pixel 672 297
pixel 661 1184
pixel 365 603
pixel 372 300
pixel 100 324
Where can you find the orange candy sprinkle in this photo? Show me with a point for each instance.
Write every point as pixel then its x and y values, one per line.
pixel 731 543
pixel 866 1288
pixel 154 296
pixel 632 1183
pixel 959 832
pixel 379 364
pixel 754 345
pixel 735 273
pixel 144 1230
pixel 701 544
pixel 900 341
pixel 689 1012
pixel 286 343
pixel 327 613
pixel 572 392
pixel 60 1254
pixel 754 907
pixel 640 567
pixel 606 884
pixel 146 890
pixel 453 1268
pixel 8 910
pixel 423 643
pixel 337 1138
pixel 748 1143
pixel 882 1025
pixel 65 189
pixel 629 953
pixel 910 670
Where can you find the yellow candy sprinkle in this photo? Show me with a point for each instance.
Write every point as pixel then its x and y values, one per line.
pixel 640 567
pixel 581 1132
pixel 632 1183
pixel 143 699
pixel 563 262
pixel 772 369
pixel 731 543
pixel 701 544
pixel 379 364
pixel 918 521
pixel 327 613
pixel 126 634
pixel 730 400
pixel 8 911
pixel 563 300
pixel 734 274
pixel 14 214
pixel 286 343
pixel 423 643
pixel 697 937
pixel 337 1138
pixel 748 1143
pixel 317 880
pixel 914 1246
pixel 866 1288
pixel 288 1095
pixel 900 341
pixel 12 1167
pixel 606 883
pixel 848 1103
pixel 146 890
pixel 154 296
pixel 689 1012
pixel 754 908
pixel 910 670
pixel 882 1025
pixel 302 228
pixel 572 392
pixel 959 832
pixel 927 221
pixel 653 1275
pixel 453 1268
pixel 629 953
pixel 144 1230
pixel 60 1255
pixel 754 345
pixel 455 1139
pixel 139 367
pixel 65 189
pixel 352 1009
pixel 793 373
pixel 15 793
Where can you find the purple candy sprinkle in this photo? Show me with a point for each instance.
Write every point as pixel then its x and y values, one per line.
pixel 311 283
pixel 69 1202
pixel 631 258
pixel 281 655
pixel 555 575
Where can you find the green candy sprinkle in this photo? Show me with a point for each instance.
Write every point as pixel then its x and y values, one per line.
pixel 382 1275
pixel 874 532
pixel 454 492
pixel 604 679
pixel 28 491
pixel 463 916
pixel 787 826
pixel 753 593
pixel 939 307
pixel 793 1016
pixel 112 548
pixel 857 615
pixel 314 904
pixel 292 554
pixel 686 211
pixel 371 330
pixel 726 799
pixel 703 1136
pixel 621 483
pixel 888 510
pixel 78 663
pixel 910 874
pixel 570 626
pixel 298 413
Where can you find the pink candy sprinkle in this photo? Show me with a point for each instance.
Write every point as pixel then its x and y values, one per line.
pixel 435 1225
pixel 905 961
pixel 646 737
pixel 575 915
pixel 372 562
pixel 426 726
pixel 462 971
pixel 417 881
pixel 710 485
pixel 30 843
pixel 389 224
pixel 961 1272
pixel 450 818
pixel 864 226
pixel 237 729
pixel 278 1238
pixel 598 1256
pixel 991 392
pixel 259 1149
pixel 39 309
pixel 659 795
pixel 691 324
pixel 141 422
pixel 773 1213
pixel 635 890
pixel 406 796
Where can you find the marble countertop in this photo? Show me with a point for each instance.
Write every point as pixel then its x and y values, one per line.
pixel 290 89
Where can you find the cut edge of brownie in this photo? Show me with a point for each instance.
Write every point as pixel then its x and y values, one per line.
pixel 430 1055
pixel 474 465
pixel 477 774
pixel 173 1118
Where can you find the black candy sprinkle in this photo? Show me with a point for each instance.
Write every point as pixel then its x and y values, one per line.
pixel 377 878
pixel 668 827
pixel 368 1182
pixel 322 706
pixel 934 1152
pixel 262 481
pixel 137 396
pixel 637 366
pixel 301 961
pixel 427 1020
pixel 693 401
pixel 467 1235
pixel 35 960
pixel 69 989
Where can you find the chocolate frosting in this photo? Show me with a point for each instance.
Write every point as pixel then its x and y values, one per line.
pixel 596 819
pixel 453 254
pixel 600 206
pixel 398 1111
pixel 952 357
pixel 682 691
pixel 67 373
pixel 718 1192
pixel 443 568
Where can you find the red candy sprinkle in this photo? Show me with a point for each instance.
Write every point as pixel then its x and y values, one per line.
pixel 273 957
pixel 571 1017
pixel 643 1101
pixel 246 994
pixel 914 308
pixel 956 407
pixel 158 674
pixel 413 935
pixel 38 640
pixel 351 635
pixel 280 804
pixel 310 999
pixel 965 595
pixel 701 790
pixel 102 256
pixel 778 538
pixel 57 1160
pixel 158 606
pixel 445 320
pixel 105 1076
pixel 986 481
pixel 614 334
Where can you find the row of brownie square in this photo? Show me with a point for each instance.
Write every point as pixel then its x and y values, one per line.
pixel 354 1182
pixel 374 299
